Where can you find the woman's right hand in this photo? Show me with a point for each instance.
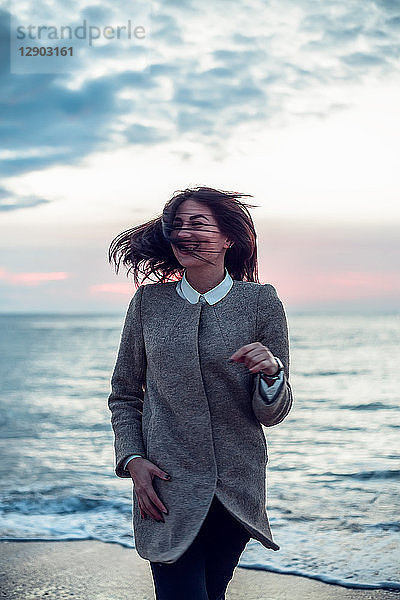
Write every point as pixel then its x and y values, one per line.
pixel 142 472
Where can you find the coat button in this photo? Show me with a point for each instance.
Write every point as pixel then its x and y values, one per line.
pixel 202 300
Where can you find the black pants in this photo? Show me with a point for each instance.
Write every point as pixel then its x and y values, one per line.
pixel 205 569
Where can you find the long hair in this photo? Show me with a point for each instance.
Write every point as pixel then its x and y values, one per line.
pixel 146 249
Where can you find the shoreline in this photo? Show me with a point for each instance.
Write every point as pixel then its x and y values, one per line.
pixel 108 571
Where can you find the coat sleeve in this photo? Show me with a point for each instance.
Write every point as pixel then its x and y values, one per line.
pixel 126 399
pixel 272 332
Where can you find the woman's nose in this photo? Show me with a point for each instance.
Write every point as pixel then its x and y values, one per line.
pixel 184 233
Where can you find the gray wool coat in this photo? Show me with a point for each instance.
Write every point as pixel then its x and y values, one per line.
pixel 177 400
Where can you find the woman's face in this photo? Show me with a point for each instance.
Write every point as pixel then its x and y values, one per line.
pixel 194 225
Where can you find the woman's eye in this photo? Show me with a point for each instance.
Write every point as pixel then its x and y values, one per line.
pixel 178 225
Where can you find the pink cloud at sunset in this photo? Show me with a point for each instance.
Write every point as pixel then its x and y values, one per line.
pixel 31 279
pixel 317 286
pixel 326 265
pixel 126 289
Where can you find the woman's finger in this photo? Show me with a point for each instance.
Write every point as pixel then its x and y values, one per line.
pixel 255 357
pixel 151 510
pixel 159 472
pixel 260 356
pixel 263 365
pixel 237 356
pixel 254 351
pixel 142 513
pixel 156 500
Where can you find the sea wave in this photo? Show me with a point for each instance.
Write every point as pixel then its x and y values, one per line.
pixel 366 475
pixel 384 585
pixel 33 503
pixel 369 406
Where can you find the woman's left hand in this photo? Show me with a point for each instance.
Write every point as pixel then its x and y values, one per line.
pixel 257 358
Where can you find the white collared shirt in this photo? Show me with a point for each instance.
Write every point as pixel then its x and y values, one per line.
pixel 185 290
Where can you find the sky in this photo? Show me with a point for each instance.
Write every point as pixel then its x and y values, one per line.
pixel 296 103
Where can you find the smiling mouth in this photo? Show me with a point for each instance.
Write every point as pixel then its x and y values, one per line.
pixel 185 248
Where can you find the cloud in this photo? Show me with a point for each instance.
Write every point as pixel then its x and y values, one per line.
pixel 361 59
pixel 72 123
pixel 140 134
pixel 168 29
pixel 126 289
pixel 365 282
pixel 203 81
pixel 10 201
pixel 97 13
pixel 31 279
pixel 313 287
pixel 394 22
pixel 318 263
pixel 391 6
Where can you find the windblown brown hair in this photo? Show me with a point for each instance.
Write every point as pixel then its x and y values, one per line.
pixel 146 249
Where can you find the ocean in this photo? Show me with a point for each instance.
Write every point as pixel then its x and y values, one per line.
pixel 333 473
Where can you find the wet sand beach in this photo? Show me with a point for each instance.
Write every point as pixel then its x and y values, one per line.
pixel 82 570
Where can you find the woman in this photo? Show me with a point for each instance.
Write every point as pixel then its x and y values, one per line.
pixel 203 362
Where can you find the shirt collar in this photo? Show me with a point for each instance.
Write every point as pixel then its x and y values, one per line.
pixel 185 290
